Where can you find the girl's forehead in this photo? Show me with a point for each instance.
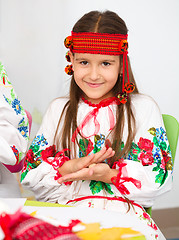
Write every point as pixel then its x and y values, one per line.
pixel 95 56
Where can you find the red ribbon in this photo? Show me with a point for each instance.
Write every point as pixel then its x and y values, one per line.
pixel 119 181
pixel 127 69
pixel 93 114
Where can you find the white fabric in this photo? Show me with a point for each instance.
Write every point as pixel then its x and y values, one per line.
pixel 10 135
pixel 41 179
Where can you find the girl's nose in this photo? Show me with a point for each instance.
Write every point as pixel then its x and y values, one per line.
pixel 94 73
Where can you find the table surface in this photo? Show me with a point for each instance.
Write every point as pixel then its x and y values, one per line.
pixel 64 214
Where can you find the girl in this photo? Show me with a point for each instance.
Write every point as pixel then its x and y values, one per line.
pixel 14 135
pixel 105 144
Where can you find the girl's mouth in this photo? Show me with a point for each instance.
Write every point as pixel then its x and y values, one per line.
pixel 94 85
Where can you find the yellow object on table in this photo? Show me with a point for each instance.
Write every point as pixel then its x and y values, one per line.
pixel 93 231
pixel 43 204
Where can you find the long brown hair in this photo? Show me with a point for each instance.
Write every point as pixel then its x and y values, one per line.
pixel 101 22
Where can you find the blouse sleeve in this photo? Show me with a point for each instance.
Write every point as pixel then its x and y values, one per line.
pixel 14 125
pixel 38 175
pixel 147 169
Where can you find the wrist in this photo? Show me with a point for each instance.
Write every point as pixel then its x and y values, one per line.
pixel 106 178
pixel 112 173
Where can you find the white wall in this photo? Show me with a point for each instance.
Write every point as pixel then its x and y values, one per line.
pixel 31 47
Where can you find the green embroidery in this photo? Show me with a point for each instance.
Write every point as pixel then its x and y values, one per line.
pixel 134 152
pixel 156 143
pixel 33 157
pixel 163 146
pixel 3 76
pixel 161 176
pixel 83 146
pixel 97 186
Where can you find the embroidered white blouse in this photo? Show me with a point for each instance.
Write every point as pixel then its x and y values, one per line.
pixel 148 162
pixel 14 135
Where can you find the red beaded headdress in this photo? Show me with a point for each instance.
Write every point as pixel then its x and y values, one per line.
pixel 99 43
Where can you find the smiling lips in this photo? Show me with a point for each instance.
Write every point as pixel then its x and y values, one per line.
pixel 94 85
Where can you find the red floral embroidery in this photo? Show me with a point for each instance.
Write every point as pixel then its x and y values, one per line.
pixel 152 225
pixel 145 215
pixel 146 158
pixel 145 144
pixel 48 152
pixel 16 153
pixel 164 160
pixel 28 158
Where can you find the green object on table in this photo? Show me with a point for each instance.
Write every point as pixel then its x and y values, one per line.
pixel 43 204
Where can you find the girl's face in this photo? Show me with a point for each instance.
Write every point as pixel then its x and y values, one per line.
pixel 95 74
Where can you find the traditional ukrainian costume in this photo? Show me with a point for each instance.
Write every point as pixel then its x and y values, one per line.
pixel 144 174
pixel 14 135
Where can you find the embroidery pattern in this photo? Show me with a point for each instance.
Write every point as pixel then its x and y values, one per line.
pixel 33 156
pixel 3 76
pixel 156 153
pixel 15 103
pixel 97 186
pixel 17 154
pixel 23 126
pixel 56 159
pixel 146 217
pixel 86 146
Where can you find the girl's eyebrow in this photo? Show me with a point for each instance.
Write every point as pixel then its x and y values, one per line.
pixel 108 60
pixel 81 59
pixel 103 60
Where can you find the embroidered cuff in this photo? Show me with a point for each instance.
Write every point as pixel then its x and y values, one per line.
pixel 55 159
pixel 119 181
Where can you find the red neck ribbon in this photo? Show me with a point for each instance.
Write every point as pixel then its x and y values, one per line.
pixel 93 114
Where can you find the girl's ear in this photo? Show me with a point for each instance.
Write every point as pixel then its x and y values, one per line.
pixel 120 66
pixel 71 57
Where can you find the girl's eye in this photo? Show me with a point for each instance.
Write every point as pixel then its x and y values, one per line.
pixel 105 63
pixel 84 62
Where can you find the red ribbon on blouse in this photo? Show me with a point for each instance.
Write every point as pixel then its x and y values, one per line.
pixel 93 114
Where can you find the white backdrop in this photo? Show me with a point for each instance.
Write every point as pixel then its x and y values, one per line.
pixel 31 47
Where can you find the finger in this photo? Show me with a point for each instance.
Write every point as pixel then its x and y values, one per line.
pixel 103 154
pixel 110 153
pixel 99 154
pixel 79 175
pixel 83 162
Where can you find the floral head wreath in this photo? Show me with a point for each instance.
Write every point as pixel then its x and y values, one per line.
pixel 100 43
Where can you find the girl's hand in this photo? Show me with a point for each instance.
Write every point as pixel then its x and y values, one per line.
pixel 99 172
pixel 77 164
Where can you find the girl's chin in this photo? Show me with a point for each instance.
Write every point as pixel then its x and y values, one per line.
pixel 94 99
